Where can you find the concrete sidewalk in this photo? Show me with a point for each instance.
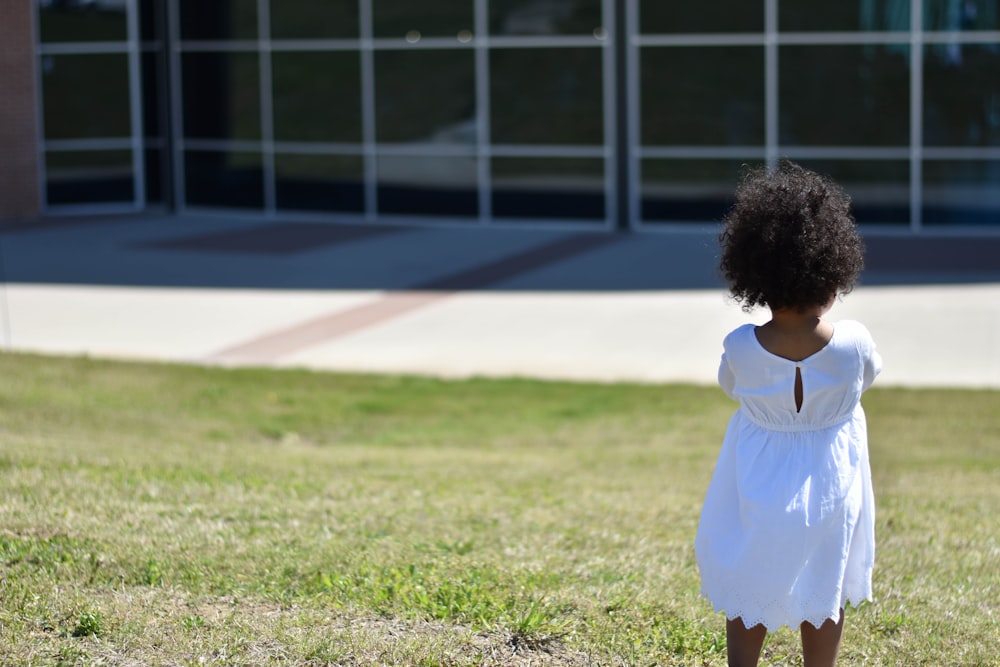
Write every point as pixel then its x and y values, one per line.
pixel 458 302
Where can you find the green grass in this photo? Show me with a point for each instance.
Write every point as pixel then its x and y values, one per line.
pixel 157 514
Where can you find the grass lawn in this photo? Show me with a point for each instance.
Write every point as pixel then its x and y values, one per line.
pixel 159 514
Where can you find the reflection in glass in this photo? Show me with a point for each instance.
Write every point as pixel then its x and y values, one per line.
pixel 702 96
pixel 528 17
pixel 218 19
pixel 961 192
pixel 151 19
pixel 548 188
pixel 88 177
pixel 317 96
pixel 427 185
pixel 957 15
pixel 688 190
pixel 546 96
pixel 154 122
pixel 102 111
pixel 156 175
pixel 844 95
pixel 425 95
pixel 228 179
pixel 867 15
pixel 442 18
pixel 82 22
pixel 221 94
pixel 307 19
pixel 320 182
pixel 879 189
pixel 962 95
pixel 666 16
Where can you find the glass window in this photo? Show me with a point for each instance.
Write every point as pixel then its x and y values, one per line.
pixel 425 95
pixel 666 16
pixel 88 177
pixel 689 190
pixel 233 179
pixel 868 15
pixel 151 19
pixel 86 96
pixel 961 192
pixel 702 95
pixel 307 19
pixel 853 95
pixel 529 17
pixel 879 189
pixel 320 182
pixel 413 20
pixel 954 15
pixel 962 95
pixel 427 185
pixel 533 188
pixel 154 121
pixel 317 96
pixel 82 22
pixel 221 95
pixel 218 20
pixel 156 174
pixel 546 96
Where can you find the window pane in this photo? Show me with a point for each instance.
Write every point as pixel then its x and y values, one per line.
pixel 229 179
pixel 154 120
pixel 666 16
pixel 317 96
pixel 425 95
pixel 533 188
pixel 307 19
pixel 427 185
pixel 320 182
pixel 844 95
pixel 151 19
pixel 221 95
pixel 88 177
pixel 879 189
pixel 961 192
pixel 688 190
pixel 518 17
pixel 546 96
pixel 950 15
pixel 962 95
pixel 702 95
pixel 870 15
pixel 82 22
pixel 156 173
pixel 102 111
pixel 219 19
pixel 442 18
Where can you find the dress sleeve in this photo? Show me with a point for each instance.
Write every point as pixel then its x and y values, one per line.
pixel 727 379
pixel 872 361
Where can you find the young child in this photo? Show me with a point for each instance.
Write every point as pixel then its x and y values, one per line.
pixel 786 535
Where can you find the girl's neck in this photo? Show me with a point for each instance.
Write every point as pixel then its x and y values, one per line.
pixel 795 334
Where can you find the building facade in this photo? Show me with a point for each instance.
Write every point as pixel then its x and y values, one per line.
pixel 590 113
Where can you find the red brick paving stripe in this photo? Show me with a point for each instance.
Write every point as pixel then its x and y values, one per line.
pixel 269 347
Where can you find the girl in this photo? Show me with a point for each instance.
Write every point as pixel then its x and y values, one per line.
pixel 786 535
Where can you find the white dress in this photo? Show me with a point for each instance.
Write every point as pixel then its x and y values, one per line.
pixel 787 531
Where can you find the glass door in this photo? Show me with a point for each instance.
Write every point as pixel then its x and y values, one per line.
pixel 91 105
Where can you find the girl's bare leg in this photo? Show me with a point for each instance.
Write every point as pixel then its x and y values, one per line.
pixel 821 645
pixel 743 645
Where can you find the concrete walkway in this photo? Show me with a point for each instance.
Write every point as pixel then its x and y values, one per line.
pixel 459 302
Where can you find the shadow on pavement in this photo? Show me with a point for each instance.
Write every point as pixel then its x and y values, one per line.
pixel 230 252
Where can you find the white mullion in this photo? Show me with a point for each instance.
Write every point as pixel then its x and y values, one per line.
pixel 916 114
pixel 266 106
pixel 611 148
pixel 173 37
pixel 135 107
pixel 368 110
pixel 484 169
pixel 771 139
pixel 634 119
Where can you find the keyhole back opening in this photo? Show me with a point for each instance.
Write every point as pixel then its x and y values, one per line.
pixel 798 389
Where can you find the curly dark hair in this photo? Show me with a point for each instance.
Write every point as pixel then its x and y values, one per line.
pixel 790 240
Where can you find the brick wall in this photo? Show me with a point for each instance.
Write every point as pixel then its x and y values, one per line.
pixel 19 186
